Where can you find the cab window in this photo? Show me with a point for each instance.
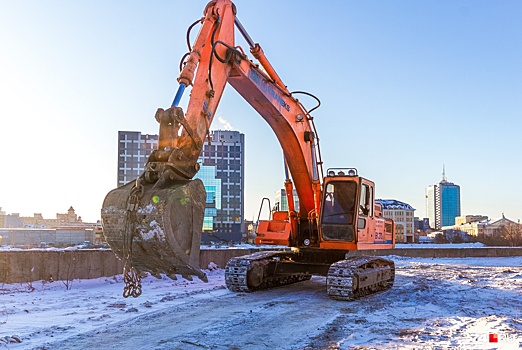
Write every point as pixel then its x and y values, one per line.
pixel 339 202
pixel 366 200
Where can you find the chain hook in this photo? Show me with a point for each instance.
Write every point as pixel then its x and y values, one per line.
pixel 132 284
pixel 130 277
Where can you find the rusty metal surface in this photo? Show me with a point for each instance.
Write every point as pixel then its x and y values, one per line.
pixel 162 233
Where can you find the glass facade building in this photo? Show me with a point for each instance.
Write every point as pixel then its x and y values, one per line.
pixel 222 172
pixel 449 203
pixel 442 203
pixel 281 202
pixel 225 152
pixel 207 174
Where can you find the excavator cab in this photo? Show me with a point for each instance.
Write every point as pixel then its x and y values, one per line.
pixel 350 218
pixel 339 208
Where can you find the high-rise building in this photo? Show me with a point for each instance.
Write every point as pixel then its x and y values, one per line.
pixel 222 173
pixel 225 152
pixel 134 149
pixel 281 201
pixel 212 184
pixel 443 203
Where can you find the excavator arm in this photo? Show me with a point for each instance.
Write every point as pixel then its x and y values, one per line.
pixel 182 135
pixel 214 61
pixel 154 223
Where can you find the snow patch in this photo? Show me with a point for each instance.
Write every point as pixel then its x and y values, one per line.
pixel 440 303
pixel 155 233
pixel 148 209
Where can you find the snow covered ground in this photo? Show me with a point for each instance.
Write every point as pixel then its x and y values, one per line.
pixel 467 303
pixel 436 245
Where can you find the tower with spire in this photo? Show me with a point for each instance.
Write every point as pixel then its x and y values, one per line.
pixel 442 202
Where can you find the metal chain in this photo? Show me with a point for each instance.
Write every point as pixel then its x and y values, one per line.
pixel 131 278
pixel 132 284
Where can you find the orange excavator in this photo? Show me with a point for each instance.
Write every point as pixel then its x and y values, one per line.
pixel 154 224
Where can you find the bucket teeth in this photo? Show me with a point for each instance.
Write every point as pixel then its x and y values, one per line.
pixel 161 231
pixel 187 277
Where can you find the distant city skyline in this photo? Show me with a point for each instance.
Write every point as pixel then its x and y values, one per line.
pixel 405 87
pixel 436 220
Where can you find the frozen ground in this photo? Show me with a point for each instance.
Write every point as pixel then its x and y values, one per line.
pixel 434 245
pixel 435 304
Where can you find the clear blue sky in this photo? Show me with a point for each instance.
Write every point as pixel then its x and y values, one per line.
pixel 406 86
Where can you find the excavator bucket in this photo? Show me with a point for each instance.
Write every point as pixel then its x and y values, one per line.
pixel 156 230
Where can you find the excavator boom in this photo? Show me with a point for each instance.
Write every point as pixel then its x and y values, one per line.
pixel 154 223
pixel 160 214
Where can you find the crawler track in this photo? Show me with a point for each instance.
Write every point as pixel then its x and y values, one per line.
pixel 348 279
pixel 257 271
pixel 358 277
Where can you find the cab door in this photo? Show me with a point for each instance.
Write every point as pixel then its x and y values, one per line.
pixel 366 215
pixel 339 210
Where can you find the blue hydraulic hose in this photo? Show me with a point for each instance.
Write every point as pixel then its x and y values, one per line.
pixel 314 162
pixel 287 177
pixel 179 93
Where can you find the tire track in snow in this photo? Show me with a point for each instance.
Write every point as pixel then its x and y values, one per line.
pixel 281 318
